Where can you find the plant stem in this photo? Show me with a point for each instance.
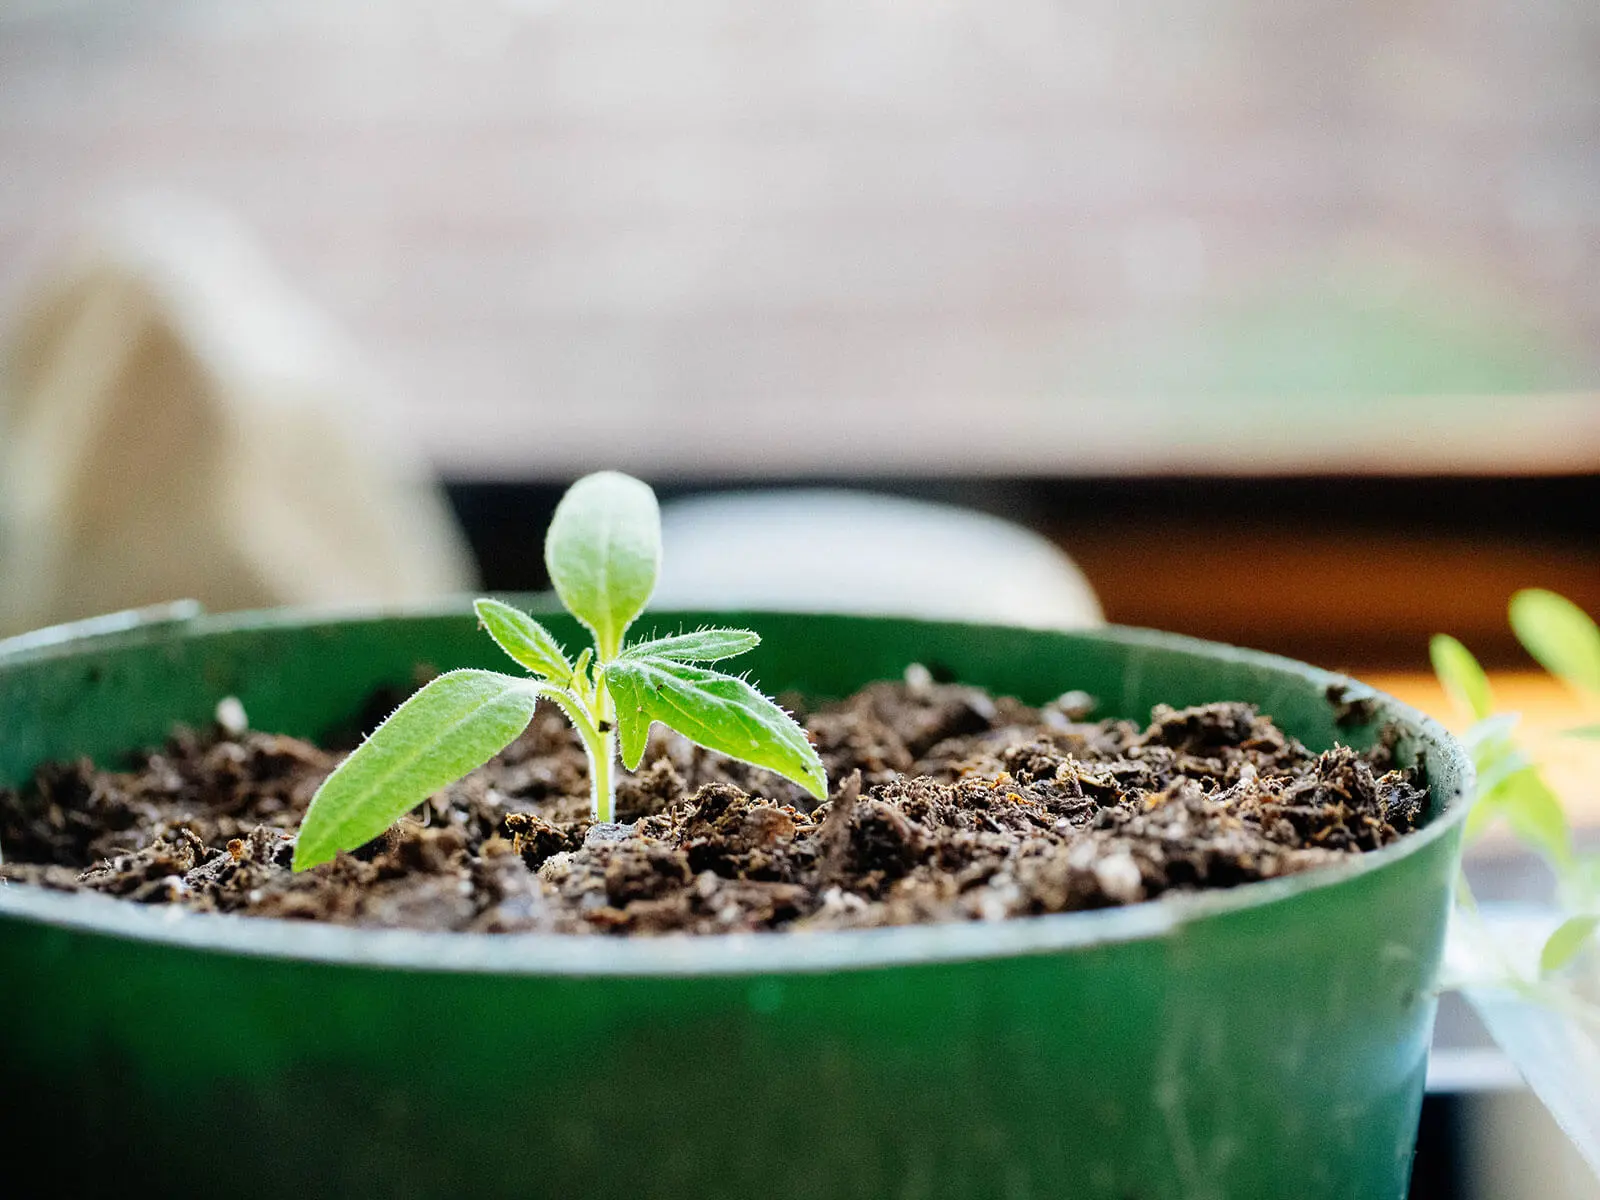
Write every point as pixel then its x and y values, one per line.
pixel 603 756
pixel 603 783
pixel 592 717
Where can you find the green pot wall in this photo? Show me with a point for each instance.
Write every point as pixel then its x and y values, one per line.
pixel 1266 1041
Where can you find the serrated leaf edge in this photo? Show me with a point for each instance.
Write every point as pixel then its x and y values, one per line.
pixel 817 788
pixel 565 664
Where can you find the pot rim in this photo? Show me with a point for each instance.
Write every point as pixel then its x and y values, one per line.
pixel 681 955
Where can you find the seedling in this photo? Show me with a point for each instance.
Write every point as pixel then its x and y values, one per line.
pixel 1511 786
pixel 1551 1050
pixel 603 552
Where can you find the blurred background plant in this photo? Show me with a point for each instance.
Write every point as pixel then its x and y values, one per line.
pixel 1532 972
pixel 1512 787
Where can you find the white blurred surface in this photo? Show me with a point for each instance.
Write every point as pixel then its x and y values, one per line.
pixel 839 551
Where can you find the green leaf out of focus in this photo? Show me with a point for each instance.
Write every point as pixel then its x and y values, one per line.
pixel 1565 943
pixel 1560 635
pixel 1511 787
pixel 1461 676
pixel 1535 814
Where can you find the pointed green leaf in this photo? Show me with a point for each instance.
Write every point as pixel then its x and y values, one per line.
pixel 524 639
pixel 1559 634
pixel 1592 732
pixel 1461 676
pixel 705 645
pixel 720 712
pixel 604 553
pixel 458 722
pixel 1564 944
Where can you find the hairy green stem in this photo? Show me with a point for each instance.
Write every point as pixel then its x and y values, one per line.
pixel 602 778
pixel 601 744
pixel 599 735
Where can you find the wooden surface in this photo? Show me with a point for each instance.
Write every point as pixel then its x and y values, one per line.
pixel 1548 709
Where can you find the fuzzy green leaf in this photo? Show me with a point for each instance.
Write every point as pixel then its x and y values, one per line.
pixel 1564 944
pixel 1461 676
pixel 1559 634
pixel 454 724
pixel 705 645
pixel 603 552
pixel 524 639
pixel 718 711
pixel 1590 732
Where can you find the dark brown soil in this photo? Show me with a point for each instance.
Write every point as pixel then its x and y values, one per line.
pixel 949 805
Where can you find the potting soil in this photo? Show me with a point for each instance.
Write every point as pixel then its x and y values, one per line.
pixel 948 804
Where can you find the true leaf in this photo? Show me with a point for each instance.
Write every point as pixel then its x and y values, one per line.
pixel 705 645
pixel 1563 945
pixel 1592 732
pixel 603 552
pixel 718 711
pixel 524 639
pixel 1461 676
pixel 1559 634
pixel 454 724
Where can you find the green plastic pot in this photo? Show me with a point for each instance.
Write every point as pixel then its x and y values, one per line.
pixel 1264 1041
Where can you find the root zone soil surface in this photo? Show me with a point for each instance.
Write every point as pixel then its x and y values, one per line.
pixel 948 805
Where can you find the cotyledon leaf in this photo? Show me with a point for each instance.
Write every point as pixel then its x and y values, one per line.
pixel 718 711
pixel 456 723
pixel 524 639
pixel 603 552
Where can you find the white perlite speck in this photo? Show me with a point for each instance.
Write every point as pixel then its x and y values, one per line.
pixel 1119 876
pixel 231 716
